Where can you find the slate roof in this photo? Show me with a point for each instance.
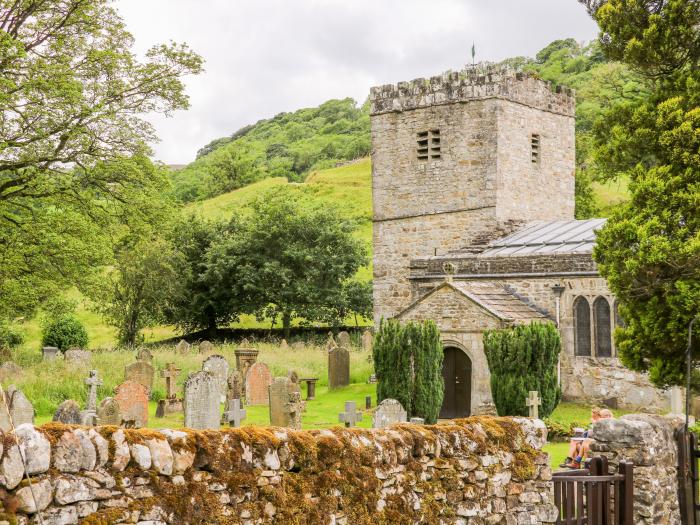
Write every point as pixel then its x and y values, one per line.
pixel 542 238
pixel 498 300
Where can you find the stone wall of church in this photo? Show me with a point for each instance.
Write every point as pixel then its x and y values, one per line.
pixel 479 470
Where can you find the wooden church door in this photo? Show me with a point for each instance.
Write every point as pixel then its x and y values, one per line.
pixel 457 374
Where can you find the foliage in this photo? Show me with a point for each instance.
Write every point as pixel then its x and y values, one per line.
pixel 73 155
pixel 522 359
pixel 290 145
pixel 354 299
pixel 64 333
pixel 408 365
pixel 649 251
pixel 10 336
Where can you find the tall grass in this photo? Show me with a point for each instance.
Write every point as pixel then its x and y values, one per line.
pixel 47 384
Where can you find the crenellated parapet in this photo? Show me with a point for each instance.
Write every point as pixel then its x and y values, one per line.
pixel 477 83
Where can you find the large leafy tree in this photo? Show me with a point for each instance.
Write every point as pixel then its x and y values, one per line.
pixel 650 249
pixel 73 154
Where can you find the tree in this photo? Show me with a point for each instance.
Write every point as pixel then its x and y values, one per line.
pixel 291 259
pixel 522 359
pixel 408 365
pixel 73 154
pixel 649 251
pixel 354 299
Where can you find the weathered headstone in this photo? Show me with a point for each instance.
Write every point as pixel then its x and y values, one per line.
pixel 140 372
pixel 246 356
pixel 330 342
pixel 388 412
pixel 344 340
pixel 171 404
pixel 372 379
pixel 108 412
pixel 236 386
pixel 183 347
pixel 367 341
pixel 284 345
pixel 206 347
pixel 50 353
pixel 89 415
pixel 285 403
pixel 68 413
pixel 133 403
pixel 368 402
pixel 338 367
pixel 202 401
pixel 257 380
pixel 144 354
pixel 417 421
pixel 77 356
pixel 234 413
pixel 21 409
pixel 218 367
pixel 533 403
pixel 351 416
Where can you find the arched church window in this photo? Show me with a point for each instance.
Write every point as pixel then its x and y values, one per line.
pixel 582 327
pixel 603 335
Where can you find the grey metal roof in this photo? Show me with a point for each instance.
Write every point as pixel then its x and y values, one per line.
pixel 542 238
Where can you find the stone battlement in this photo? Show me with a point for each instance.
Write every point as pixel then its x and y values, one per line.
pixel 475 83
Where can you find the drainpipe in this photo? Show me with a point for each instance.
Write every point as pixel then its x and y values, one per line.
pixel 558 289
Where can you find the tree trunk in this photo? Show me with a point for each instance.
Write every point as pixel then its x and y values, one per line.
pixel 287 324
pixel 211 328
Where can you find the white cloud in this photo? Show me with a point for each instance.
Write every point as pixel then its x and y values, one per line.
pixel 268 56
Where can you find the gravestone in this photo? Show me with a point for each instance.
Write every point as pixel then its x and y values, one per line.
pixel 367 341
pixel 299 345
pixel 235 386
pixel 21 409
pixel 257 381
pixel 234 413
pixel 218 367
pixel 5 422
pixel 50 353
pixel 285 403
pixel 9 371
pixel 77 356
pixel 533 403
pixel 171 404
pixel 144 354
pixel 351 416
pixel 140 372
pixel 68 413
pixel 132 398
pixel 284 345
pixel 202 401
pixel 183 347
pixel 205 347
pixel 330 342
pixel 417 421
pixel 344 340
pixel 89 415
pixel 338 367
pixel 246 356
pixel 108 412
pixel 388 412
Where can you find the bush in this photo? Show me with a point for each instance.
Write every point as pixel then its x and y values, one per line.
pixel 408 365
pixel 522 359
pixel 10 337
pixel 64 333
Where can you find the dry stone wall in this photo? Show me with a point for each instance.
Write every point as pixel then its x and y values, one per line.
pixel 478 470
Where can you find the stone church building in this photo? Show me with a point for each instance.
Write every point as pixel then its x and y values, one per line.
pixel 473 194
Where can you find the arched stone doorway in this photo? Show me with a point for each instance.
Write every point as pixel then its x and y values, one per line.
pixel 457 374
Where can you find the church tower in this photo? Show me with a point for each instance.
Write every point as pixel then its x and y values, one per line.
pixel 462 159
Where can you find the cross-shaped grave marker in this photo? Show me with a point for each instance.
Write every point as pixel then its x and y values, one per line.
pixel 93 381
pixel 170 374
pixel 351 415
pixel 235 414
pixel 533 403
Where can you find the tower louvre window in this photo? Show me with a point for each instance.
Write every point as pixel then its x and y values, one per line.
pixel 428 144
pixel 535 148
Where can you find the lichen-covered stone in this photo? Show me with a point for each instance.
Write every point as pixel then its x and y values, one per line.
pixel 35 448
pixel 35 497
pixel 11 468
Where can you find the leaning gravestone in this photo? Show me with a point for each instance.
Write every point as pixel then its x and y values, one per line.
pixel 344 339
pixel 218 367
pixel 183 347
pixel 205 347
pixel 21 409
pixel 367 341
pixel 202 401
pixel 140 372
pixel 50 353
pixel 108 412
pixel 338 367
pixel 387 413
pixel 283 408
pixel 77 356
pixel 144 354
pixel 132 398
pixel 257 381
pixel 68 413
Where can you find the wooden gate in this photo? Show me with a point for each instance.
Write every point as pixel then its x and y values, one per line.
pixel 592 496
pixel 688 477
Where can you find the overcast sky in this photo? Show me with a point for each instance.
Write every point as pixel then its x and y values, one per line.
pixel 267 56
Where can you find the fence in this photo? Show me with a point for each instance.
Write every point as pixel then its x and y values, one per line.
pixel 592 496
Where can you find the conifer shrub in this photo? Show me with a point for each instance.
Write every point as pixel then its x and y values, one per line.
pixel 408 366
pixel 64 333
pixel 521 359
